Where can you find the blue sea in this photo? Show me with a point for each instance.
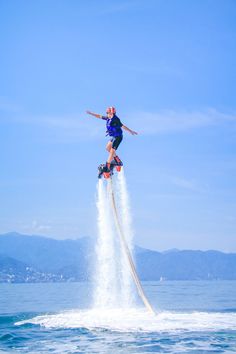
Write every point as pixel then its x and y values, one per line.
pixel 191 317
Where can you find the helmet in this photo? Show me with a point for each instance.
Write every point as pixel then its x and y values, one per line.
pixel 111 110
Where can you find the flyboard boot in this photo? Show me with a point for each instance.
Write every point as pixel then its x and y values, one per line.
pixel 101 170
pixel 118 163
pixel 105 170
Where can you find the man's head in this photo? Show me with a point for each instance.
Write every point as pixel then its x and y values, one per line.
pixel 111 111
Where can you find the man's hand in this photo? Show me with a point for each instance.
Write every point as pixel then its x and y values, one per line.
pixel 133 132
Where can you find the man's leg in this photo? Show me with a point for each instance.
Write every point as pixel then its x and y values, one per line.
pixel 109 147
pixel 115 146
pixel 111 155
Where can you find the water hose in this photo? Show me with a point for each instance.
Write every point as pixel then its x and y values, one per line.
pixel 126 249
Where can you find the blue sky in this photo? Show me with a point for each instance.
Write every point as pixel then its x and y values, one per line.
pixel 169 69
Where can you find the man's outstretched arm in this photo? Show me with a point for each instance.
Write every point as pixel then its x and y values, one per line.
pixel 94 114
pixel 129 130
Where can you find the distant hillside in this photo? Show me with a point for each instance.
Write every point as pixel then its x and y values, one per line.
pixel 39 259
pixel 14 271
pixel 186 265
pixel 65 259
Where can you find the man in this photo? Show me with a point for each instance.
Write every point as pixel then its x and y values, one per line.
pixel 114 130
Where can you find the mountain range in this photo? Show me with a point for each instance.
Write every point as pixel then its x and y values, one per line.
pixel 25 258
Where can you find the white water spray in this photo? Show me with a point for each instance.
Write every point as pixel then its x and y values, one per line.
pixel 105 272
pixel 113 281
pixel 128 289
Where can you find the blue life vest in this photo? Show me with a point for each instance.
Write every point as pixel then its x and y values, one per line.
pixel 114 126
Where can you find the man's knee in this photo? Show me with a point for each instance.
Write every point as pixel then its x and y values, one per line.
pixel 108 147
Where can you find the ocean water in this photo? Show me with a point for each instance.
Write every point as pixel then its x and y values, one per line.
pixel 191 317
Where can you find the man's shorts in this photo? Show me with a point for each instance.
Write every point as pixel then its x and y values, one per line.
pixel 116 140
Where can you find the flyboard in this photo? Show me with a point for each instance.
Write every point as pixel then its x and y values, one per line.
pixel 123 240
